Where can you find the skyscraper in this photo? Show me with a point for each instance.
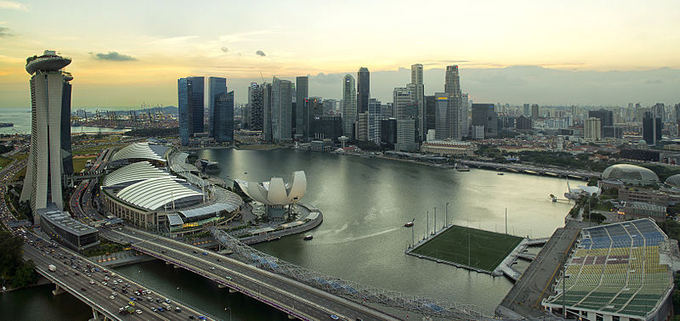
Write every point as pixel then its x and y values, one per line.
pixel 256 106
pixel 452 88
pixel 374 117
pixel 349 105
pixel 281 109
pixel 216 87
pixel 50 149
pixel 442 123
pixel 363 89
pixel 484 116
pixel 191 105
pixel 606 118
pixel 464 115
pixel 406 110
pixel 267 112
pixel 651 128
pixel 592 129
pixel 301 108
pixel 535 113
pixel 419 96
pixel 223 115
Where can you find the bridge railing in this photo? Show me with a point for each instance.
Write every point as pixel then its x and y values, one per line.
pixel 348 289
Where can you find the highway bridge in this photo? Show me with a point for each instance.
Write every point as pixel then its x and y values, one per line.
pixel 294 298
pixel 531 169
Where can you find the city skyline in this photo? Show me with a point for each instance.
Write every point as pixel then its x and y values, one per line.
pixel 144 50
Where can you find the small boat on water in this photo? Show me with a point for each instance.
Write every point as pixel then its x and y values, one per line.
pixel 462 168
pixel 500 173
pixel 410 223
pixel 308 237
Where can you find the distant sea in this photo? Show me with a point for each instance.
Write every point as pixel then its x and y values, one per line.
pixel 21 118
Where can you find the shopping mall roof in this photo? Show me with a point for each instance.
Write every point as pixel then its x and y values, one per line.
pixel 143 150
pixel 154 193
pixel 133 173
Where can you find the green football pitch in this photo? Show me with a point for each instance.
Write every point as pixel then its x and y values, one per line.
pixel 485 250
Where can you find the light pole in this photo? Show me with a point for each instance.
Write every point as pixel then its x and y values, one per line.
pixel 228 308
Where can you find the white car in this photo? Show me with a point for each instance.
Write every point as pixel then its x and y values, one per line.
pixel 138 311
pixel 112 297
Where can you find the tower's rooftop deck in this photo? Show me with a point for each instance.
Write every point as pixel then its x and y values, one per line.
pixel 49 61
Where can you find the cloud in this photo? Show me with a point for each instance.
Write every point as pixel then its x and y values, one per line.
pixel 4 32
pixel 113 56
pixel 260 53
pixel 13 5
pixel 224 49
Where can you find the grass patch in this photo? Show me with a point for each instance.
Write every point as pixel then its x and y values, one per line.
pixel 79 163
pixel 487 250
pixel 4 161
pixel 104 248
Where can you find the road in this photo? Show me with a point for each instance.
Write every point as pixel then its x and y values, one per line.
pixel 282 293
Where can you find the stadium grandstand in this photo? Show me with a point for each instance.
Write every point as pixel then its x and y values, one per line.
pixel 143 192
pixel 619 271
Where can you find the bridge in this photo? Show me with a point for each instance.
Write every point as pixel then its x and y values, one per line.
pixel 289 296
pixel 531 169
pixel 92 284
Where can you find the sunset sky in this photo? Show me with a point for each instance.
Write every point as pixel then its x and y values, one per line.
pixel 126 53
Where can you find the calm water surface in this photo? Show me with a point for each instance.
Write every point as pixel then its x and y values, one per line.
pixel 365 204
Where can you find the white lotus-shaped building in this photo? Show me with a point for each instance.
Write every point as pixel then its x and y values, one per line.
pixel 275 192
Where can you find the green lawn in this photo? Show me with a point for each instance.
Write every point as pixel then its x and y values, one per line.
pixel 79 163
pixel 487 251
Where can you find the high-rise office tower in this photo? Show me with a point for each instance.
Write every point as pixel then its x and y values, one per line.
pixel 419 95
pixel 452 88
pixel 281 109
pixel 442 128
pixel 606 118
pixel 349 105
pixel 191 105
pixel 301 107
pixel 374 117
pixel 527 110
pixel 406 110
pixel 361 127
pixel 216 87
pixel 430 112
pixel 255 106
pixel 267 112
pixel 223 117
pixel 363 89
pixel 484 116
pixel 464 114
pixel 50 149
pixel 651 128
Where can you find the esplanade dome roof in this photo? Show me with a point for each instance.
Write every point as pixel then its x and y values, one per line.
pixel 673 181
pixel 630 174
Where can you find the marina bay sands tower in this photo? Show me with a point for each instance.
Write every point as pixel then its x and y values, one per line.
pixel 50 153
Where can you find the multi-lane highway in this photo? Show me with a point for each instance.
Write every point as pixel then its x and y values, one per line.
pixel 287 295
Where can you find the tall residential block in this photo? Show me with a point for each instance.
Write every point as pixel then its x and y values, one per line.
pixel 190 94
pixel 301 107
pixel 592 129
pixel 50 150
pixel 281 109
pixel 256 106
pixel 535 112
pixel 349 105
pixel 374 117
pixel 363 89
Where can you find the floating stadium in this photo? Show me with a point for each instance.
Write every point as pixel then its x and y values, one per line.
pixel 152 187
pixel 620 271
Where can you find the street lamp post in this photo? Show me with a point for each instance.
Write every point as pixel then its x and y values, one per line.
pixel 228 308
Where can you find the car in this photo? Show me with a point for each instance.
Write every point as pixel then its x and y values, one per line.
pixel 168 301
pixel 334 317
pixel 200 317
pixel 212 268
pixel 153 309
pixel 83 289
pixel 205 253
pixel 160 309
pixel 138 311
pixel 91 282
pixel 112 297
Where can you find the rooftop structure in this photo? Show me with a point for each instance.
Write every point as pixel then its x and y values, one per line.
pixel 140 151
pixel 62 227
pixel 630 174
pixel 673 181
pixel 156 193
pixel 48 61
pixel 618 270
pixel 134 172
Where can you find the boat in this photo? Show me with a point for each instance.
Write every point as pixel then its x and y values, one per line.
pixel 6 125
pixel 462 168
pixel 410 223
pixel 500 173
pixel 308 237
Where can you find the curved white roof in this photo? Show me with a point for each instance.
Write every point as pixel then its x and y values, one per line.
pixel 275 191
pixel 134 172
pixel 154 193
pixel 630 174
pixel 144 150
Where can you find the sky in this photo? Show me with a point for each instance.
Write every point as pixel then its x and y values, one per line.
pixel 128 53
